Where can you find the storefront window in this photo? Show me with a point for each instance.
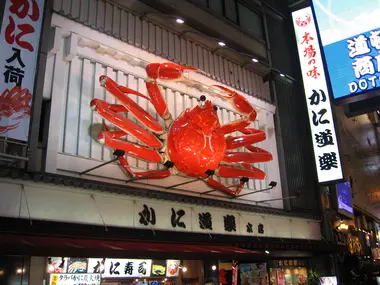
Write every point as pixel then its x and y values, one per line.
pixel 288 272
pixel 14 270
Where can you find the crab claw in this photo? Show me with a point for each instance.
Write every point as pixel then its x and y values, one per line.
pixel 239 102
pixel 167 71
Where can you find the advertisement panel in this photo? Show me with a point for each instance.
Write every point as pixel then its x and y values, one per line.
pixel 20 34
pixel 350 36
pixel 321 120
pixel 330 280
pixel 75 279
pixel 344 199
pixel 108 268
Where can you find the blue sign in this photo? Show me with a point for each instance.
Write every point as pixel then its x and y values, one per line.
pixel 350 36
pixel 344 197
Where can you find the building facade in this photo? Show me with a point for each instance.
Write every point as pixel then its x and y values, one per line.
pixel 55 202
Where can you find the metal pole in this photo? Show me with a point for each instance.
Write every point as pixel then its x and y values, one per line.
pixel 98 166
pixel 249 193
pixel 286 198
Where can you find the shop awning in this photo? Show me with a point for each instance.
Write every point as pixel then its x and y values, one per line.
pixel 56 246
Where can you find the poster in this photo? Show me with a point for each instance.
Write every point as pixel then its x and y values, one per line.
pixel 281 276
pixel 158 268
pixel 330 280
pixel 77 265
pixel 253 274
pixel 57 265
pixel 20 34
pixel 172 268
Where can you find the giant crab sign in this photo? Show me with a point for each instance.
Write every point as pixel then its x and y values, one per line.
pixel 194 143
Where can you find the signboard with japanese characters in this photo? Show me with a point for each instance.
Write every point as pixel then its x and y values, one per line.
pixel 75 279
pixel 137 268
pixel 110 268
pixel 20 34
pixel 350 36
pixel 325 144
pixel 154 215
pixel 173 217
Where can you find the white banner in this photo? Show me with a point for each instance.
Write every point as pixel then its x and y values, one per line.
pixel 116 268
pixel 326 151
pixel 20 34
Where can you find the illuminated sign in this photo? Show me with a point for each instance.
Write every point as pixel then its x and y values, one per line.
pixel 122 268
pixel 350 36
pixel 331 280
pixel 344 198
pixel 325 144
pixel 112 267
pixel 75 279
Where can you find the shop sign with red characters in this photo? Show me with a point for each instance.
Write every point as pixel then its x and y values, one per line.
pixel 321 120
pixel 20 34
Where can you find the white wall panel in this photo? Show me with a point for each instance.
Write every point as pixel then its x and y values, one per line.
pixel 74 133
pixel 106 17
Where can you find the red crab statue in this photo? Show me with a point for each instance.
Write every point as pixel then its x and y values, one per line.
pixel 12 103
pixel 194 143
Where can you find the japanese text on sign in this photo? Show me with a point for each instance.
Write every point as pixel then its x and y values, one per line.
pixel 115 268
pixel 20 39
pixel 147 217
pixel 365 65
pixel 75 279
pixel 325 145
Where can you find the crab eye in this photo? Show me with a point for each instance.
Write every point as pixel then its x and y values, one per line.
pixel 215 109
pixel 203 101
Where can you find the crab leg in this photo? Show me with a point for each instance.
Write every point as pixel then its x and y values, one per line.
pixel 140 152
pixel 254 136
pixel 219 186
pixel 120 93
pixel 259 155
pixel 233 172
pixel 242 105
pixel 151 174
pixel 104 110
pixel 163 71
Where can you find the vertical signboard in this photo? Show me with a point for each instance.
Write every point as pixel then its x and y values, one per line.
pixel 325 144
pixel 20 34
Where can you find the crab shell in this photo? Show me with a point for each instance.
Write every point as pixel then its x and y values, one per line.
pixel 193 145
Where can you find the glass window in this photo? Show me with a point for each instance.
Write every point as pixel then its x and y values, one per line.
pixel 230 10
pixel 216 6
pixel 250 21
pixel 14 270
